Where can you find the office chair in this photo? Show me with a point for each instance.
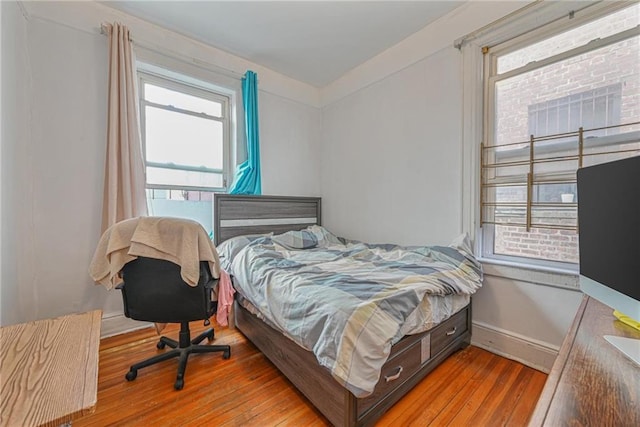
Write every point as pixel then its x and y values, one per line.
pixel 154 291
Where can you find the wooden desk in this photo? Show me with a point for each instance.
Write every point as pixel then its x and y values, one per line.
pixel 49 370
pixel 591 382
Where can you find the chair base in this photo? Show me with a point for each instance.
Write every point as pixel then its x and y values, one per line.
pixel 181 349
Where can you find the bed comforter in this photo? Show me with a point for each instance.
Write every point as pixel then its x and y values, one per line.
pixel 349 303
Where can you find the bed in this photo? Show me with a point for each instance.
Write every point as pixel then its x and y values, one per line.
pixel 339 397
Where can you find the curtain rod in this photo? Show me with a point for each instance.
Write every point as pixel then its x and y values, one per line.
pixel 460 42
pixel 104 29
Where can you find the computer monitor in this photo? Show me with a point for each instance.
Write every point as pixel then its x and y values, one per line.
pixel 609 240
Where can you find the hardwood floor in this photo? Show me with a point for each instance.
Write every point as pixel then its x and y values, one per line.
pixel 474 387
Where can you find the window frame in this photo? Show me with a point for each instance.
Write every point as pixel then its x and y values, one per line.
pixel 488 63
pixel 145 76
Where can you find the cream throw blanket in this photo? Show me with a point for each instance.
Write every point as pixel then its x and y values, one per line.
pixel 181 241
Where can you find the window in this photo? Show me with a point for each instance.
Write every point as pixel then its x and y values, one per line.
pixel 591 109
pixel 185 133
pixel 554 103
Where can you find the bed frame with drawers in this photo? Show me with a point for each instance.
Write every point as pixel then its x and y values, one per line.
pixel 411 359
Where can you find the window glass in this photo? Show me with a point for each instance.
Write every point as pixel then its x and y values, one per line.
pixel 182 139
pixel 168 97
pixel 186 144
pixel 606 26
pixel 183 178
pixel 595 108
pixel 194 205
pixel 581 109
pixel 592 90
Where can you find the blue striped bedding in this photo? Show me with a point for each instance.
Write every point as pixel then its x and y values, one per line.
pixel 348 302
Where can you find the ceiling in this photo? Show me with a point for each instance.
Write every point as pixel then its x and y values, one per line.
pixel 311 41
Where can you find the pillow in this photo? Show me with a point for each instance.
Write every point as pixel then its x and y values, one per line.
pixel 228 249
pixel 324 237
pixel 302 239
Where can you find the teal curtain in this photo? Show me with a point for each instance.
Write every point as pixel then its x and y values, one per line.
pixel 247 179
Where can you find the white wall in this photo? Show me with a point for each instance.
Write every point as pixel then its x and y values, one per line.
pixel 290 134
pixel 388 162
pixel 521 319
pixel 1 133
pixel 392 170
pixel 13 153
pixel 53 166
pixel 68 128
pixel 391 156
pixel 53 204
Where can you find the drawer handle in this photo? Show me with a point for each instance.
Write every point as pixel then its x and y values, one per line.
pixel 395 376
pixel 453 331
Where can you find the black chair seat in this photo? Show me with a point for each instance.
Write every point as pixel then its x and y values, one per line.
pixel 153 291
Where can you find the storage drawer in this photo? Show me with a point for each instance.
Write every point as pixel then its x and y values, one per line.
pixel 393 374
pixel 446 332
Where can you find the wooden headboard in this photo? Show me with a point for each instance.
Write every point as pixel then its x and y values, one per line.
pixel 235 214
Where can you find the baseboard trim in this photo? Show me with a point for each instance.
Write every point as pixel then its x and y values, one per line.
pixel 535 354
pixel 117 323
pixel 532 353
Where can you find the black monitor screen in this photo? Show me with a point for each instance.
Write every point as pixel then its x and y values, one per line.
pixel 609 224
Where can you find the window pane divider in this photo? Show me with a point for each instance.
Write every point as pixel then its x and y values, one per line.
pixel 620 137
pixel 588 47
pixel 521 180
pixel 183 187
pixel 181 111
pixel 544 160
pixel 532 204
pixel 506 184
pixel 173 166
pixel 579 157
pixel 534 225
pixel 516 204
pixel 505 164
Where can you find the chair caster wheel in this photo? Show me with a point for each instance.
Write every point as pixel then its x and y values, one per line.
pixel 226 354
pixel 211 336
pixel 131 375
pixel 160 345
pixel 179 384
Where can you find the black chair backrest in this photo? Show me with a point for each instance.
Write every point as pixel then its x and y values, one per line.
pixel 153 291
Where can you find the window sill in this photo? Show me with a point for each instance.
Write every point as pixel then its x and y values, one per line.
pixel 539 275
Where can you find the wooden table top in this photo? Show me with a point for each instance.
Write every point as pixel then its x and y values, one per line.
pixel 49 370
pixel 591 383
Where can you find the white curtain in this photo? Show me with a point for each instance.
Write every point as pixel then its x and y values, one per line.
pixel 124 179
